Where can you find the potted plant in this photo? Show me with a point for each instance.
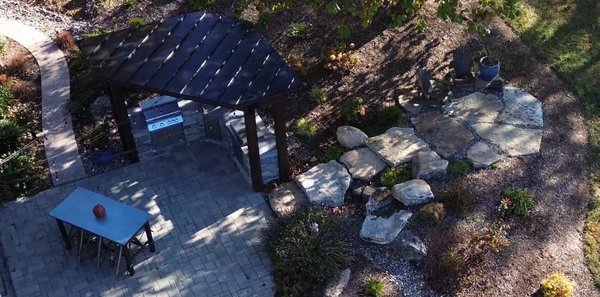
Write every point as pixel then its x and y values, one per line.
pixel 103 153
pixel 489 66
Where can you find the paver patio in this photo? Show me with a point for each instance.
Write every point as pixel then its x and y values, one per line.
pixel 206 222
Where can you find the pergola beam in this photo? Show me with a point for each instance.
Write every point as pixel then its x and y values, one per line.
pixel 253 150
pixel 117 101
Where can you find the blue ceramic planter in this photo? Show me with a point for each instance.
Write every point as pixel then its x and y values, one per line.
pixel 487 72
pixel 103 157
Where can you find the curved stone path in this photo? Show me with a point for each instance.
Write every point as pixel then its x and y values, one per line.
pixel 60 146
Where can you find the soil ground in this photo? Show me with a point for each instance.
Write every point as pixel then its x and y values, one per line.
pixel 547 240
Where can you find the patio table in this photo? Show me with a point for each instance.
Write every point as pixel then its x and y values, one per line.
pixel 120 225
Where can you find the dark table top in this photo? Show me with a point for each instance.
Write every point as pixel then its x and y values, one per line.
pixel 119 225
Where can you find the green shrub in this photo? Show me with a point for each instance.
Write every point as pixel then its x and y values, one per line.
pixel 351 110
pixel 457 198
pixel 201 4
pixel 304 260
pixel 5 98
pixel 21 176
pixel 301 30
pixel 99 137
pixel 332 152
pixel 128 4
pixel 306 128
pixel 395 175
pixel 390 116
pixel 516 201
pixel 136 22
pixel 433 212
pixel 344 32
pixel 10 134
pixel 374 288
pixel 460 167
pixel 557 285
pixel 2 45
pixel 317 95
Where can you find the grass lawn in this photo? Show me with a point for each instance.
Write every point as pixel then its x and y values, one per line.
pixel 567 34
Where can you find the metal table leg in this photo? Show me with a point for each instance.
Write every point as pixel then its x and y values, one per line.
pixel 63 233
pixel 119 260
pixel 149 236
pixel 81 233
pixel 99 251
pixel 128 260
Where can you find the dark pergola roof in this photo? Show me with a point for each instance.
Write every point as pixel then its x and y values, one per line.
pixel 198 56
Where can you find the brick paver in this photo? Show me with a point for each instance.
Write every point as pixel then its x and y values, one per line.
pixel 205 219
pixel 59 140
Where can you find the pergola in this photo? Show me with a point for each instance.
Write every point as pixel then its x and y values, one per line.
pixel 201 57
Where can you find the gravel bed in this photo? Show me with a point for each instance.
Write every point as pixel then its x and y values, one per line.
pixel 44 20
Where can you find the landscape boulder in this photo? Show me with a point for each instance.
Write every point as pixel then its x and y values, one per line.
pixel 325 184
pixel 428 164
pixel 337 285
pixel 409 247
pixel 413 192
pixel 350 137
pixel 362 163
pixel 383 229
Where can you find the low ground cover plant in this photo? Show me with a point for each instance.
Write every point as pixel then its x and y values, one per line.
pixel 374 288
pixel 394 175
pixel 306 128
pixel 433 212
pixel 332 152
pixel 317 95
pixel 459 167
pixel 516 201
pixel 307 249
pixel 557 285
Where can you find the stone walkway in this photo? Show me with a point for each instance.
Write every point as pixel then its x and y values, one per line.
pixel 59 140
pixel 206 222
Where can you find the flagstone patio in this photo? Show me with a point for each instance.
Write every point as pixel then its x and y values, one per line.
pixel 206 222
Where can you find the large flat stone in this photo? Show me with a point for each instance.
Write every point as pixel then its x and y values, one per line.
pixel 482 155
pixel 286 199
pixel 362 163
pixel 429 165
pixel 521 109
pixel 396 145
pixel 512 140
pixel 383 230
pixel 413 192
pixel 325 184
pixel 475 108
pixel 350 137
pixel 447 134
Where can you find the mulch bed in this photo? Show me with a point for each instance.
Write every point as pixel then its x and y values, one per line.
pixel 549 239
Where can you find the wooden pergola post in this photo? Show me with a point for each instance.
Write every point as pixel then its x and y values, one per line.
pixel 279 116
pixel 253 151
pixel 117 100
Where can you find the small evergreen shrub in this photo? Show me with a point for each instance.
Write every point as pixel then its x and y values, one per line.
pixel 344 32
pixel 352 110
pixel 21 176
pixel 301 30
pixel 333 152
pixel 460 167
pixel 390 116
pixel 516 201
pixel 129 4
pixel 10 135
pixel 557 285
pixel 2 45
pixel 374 288
pixel 433 212
pixel 5 98
pixel 306 128
pixel 136 22
pixel 317 95
pixel 200 4
pixel 99 137
pixel 457 198
pixel 395 175
pixel 307 250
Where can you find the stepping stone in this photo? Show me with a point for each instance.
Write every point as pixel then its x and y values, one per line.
pixel 362 163
pixel 350 137
pixel 325 184
pixel 475 108
pixel 286 199
pixel 396 145
pixel 384 229
pixel 512 140
pixel 446 133
pixel 521 109
pixel 482 155
pixel 413 192
pixel 429 165
pixel 410 104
